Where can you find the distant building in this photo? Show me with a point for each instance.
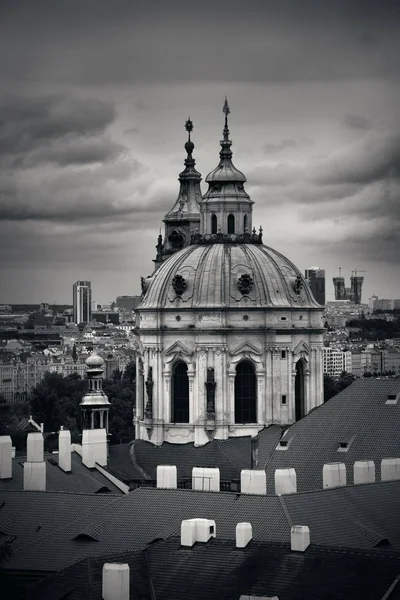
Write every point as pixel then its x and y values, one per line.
pixel 336 361
pixel 82 301
pixel 316 279
pixel 353 293
pixel 383 304
pixel 106 317
pixel 128 302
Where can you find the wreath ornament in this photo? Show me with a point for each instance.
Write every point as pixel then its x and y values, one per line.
pixel 245 283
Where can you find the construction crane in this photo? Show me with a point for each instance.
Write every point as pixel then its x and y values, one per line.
pixel 358 271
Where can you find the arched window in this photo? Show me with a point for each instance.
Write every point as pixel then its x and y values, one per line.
pixel 245 393
pixel 299 391
pixel 214 224
pixel 180 393
pixel 231 224
pixel 244 223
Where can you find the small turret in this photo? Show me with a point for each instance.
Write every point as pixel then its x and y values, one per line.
pixel 226 208
pixel 184 217
pixel 95 404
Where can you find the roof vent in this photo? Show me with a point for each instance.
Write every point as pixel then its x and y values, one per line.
pixel 392 398
pixel 197 530
pixel 345 443
pixel 84 537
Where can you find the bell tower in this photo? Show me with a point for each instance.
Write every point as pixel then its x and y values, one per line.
pixel 226 208
pixel 184 217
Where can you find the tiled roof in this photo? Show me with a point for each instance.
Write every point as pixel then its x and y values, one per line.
pixel 218 570
pixel 33 515
pixel 79 480
pixel 358 414
pixel 361 516
pixel 231 456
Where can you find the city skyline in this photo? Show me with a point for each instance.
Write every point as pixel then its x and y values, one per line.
pixel 91 143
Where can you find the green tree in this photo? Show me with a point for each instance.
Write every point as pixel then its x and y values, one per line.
pixel 129 375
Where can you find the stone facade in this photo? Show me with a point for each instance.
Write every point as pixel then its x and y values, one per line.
pixel 230 337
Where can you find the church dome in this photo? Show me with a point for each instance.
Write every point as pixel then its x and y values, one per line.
pixel 227 275
pixel 94 361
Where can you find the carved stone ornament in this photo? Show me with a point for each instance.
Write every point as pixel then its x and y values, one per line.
pixel 245 283
pixel 216 188
pixel 176 239
pixel 149 383
pixel 298 285
pixel 210 387
pixel 179 284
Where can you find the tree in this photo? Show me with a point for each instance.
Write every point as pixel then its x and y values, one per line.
pixel 129 375
pixel 335 386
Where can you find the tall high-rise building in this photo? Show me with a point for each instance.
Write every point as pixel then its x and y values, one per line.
pixel 316 279
pixel 82 301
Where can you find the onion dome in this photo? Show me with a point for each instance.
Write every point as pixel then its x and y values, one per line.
pixel 94 361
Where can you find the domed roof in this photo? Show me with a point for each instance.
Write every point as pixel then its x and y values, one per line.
pixel 94 361
pixel 227 275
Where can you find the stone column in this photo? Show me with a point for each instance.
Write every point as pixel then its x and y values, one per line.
pixel 268 387
pixel 276 388
pixel 307 406
pixel 191 377
pixel 231 396
pixel 167 395
pixel 261 397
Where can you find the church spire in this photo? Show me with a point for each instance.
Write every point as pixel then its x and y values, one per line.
pixel 227 208
pixel 184 217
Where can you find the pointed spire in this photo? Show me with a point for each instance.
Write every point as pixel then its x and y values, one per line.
pixel 227 111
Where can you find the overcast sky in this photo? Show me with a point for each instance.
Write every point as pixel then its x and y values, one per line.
pixel 94 95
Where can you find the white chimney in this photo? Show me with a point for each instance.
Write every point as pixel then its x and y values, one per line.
pixel 35 447
pixel 285 481
pixel 244 534
pixel 253 482
pixel 64 450
pixel 197 530
pixel 167 477
pixel 299 538
pixel 390 469
pixel 35 476
pixel 364 471
pixel 5 457
pixel 205 479
pixel 94 447
pixel 115 584
pixel 333 475
pixel 35 467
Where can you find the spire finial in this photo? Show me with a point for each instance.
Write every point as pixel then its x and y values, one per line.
pixel 227 111
pixel 189 126
pixel 189 146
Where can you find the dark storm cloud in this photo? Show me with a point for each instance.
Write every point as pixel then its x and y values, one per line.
pixel 357 122
pixel 27 122
pixel 374 158
pixel 124 41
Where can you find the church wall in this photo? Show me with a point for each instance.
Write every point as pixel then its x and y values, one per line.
pixel 208 344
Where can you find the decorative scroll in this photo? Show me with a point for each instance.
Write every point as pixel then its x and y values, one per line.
pixel 298 285
pixel 210 387
pixel 149 383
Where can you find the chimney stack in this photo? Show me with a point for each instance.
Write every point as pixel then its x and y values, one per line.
pixel 244 534
pixel 205 479
pixel 197 530
pixel 253 482
pixel 390 469
pixel 115 585
pixel 35 467
pixel 64 450
pixel 94 447
pixel 285 481
pixel 299 538
pixel 364 471
pixel 5 457
pixel 333 475
pixel 167 477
